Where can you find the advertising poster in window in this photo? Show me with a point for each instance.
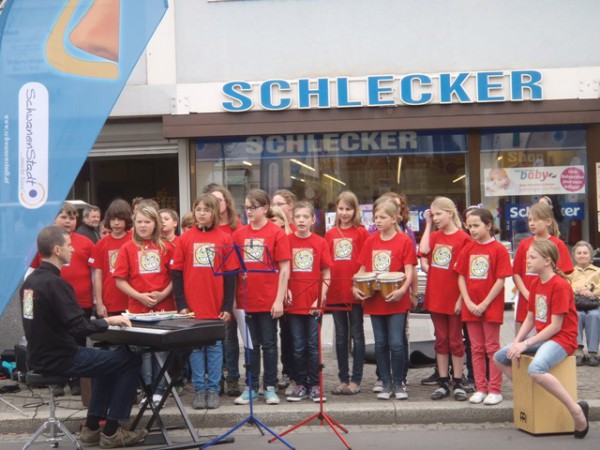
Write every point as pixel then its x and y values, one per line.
pixel 503 181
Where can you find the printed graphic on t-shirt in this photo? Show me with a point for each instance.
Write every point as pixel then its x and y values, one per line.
pixel 479 267
pixel 441 257
pixel 204 254
pixel 541 308
pixel 303 259
pixel 149 261
pixel 254 249
pixel 382 260
pixel 28 303
pixel 112 259
pixel 342 249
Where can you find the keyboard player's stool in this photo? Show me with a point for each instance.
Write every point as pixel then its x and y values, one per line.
pixel 535 410
pixel 52 425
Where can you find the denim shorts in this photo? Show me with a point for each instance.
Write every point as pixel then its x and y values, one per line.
pixel 547 355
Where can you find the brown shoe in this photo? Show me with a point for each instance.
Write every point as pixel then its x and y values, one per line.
pixel 88 436
pixel 122 438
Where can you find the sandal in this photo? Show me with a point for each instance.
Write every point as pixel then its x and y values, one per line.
pixel 339 390
pixel 349 391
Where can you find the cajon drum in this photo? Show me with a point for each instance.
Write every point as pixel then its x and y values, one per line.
pixel 535 410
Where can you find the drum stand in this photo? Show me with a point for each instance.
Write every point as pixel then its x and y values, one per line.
pixel 322 416
pixel 251 419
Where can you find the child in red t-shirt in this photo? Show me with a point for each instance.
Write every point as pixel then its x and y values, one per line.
pixel 110 300
pixel 442 295
pixel 482 265
pixel 309 276
pixel 345 242
pixel 544 227
pixel 169 221
pixel 266 256
pixel 201 253
pixel 142 273
pixel 551 310
pixel 389 250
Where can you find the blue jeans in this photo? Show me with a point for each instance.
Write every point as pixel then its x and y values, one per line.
pixel 547 355
pixel 232 350
pixel 390 346
pixel 207 364
pixel 263 332
pixel 305 344
pixel 115 374
pixel 345 322
pixel 589 321
pixel 150 370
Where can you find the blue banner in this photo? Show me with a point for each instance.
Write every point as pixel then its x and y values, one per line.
pixel 63 64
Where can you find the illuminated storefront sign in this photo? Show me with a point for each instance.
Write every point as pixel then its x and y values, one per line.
pixel 383 90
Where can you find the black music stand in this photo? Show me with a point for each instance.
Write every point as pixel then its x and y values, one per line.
pixel 321 415
pixel 269 265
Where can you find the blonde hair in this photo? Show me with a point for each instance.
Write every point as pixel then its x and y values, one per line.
pixel 548 249
pixel 541 211
pixel 351 200
pixel 278 213
pixel 212 202
pixel 445 204
pixel 156 238
pixel 388 205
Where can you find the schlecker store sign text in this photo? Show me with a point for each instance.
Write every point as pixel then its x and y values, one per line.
pixel 383 90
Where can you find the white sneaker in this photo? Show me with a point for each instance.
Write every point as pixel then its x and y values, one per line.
pixel 478 397
pixel 493 399
pixel 156 399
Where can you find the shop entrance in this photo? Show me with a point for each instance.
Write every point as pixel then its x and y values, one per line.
pixel 101 180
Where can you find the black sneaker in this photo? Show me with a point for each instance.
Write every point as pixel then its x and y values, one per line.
pixel 442 392
pixel 432 379
pixel 593 360
pixel 468 385
pixel 459 392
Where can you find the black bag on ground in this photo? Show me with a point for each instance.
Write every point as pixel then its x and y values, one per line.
pixel 585 303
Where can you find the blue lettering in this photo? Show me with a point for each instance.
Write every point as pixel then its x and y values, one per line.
pixel 520 80
pixel 484 86
pixel 375 90
pixel 234 91
pixel 343 94
pixel 448 88
pixel 266 95
pixel 321 92
pixel 406 86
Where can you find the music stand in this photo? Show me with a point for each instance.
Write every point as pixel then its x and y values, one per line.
pixel 237 250
pixel 321 415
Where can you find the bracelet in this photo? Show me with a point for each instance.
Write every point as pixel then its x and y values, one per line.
pixel 415 295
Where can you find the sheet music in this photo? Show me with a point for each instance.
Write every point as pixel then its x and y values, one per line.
pixel 240 317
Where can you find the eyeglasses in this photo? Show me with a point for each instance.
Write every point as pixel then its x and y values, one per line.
pixel 252 208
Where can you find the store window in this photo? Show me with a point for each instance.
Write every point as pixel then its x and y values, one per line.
pixel 317 167
pixel 518 167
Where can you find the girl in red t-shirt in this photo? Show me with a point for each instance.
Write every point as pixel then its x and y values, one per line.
pixel 201 251
pixel 345 241
pixel 229 221
pixel 390 250
pixel 482 265
pixel 442 295
pixel 552 312
pixel 110 300
pixel 544 227
pixel 309 278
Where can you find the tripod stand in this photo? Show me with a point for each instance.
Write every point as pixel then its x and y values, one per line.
pixel 321 415
pixel 251 419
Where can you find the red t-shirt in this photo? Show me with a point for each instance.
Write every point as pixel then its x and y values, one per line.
pixel 226 229
pixel 174 243
pixel 552 298
pixel 263 250
pixel 520 268
pixel 309 257
pixel 381 256
pixel 482 265
pixel 444 249
pixel 202 288
pixel 104 259
pixel 78 272
pixel 344 246
pixel 146 270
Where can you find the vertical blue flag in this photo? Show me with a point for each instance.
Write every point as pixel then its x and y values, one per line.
pixel 63 64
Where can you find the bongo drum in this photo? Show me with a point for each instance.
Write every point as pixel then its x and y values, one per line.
pixel 389 282
pixel 365 282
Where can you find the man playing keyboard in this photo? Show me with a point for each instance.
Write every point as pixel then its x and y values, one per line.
pixel 52 320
